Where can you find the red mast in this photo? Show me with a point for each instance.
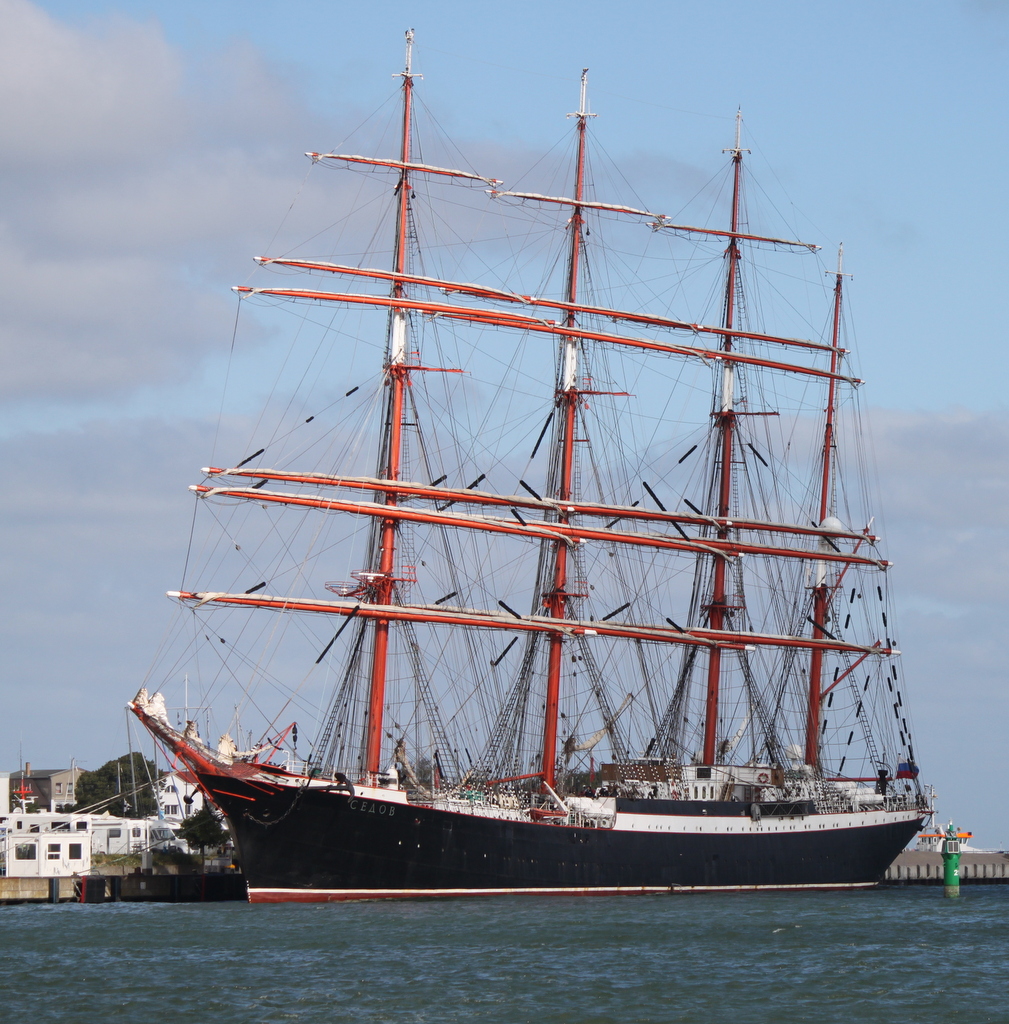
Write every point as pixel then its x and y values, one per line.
pixel 398 379
pixel 821 592
pixel 725 419
pixel 567 401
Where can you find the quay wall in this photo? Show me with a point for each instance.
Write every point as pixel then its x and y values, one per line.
pixel 168 888
pixel 36 890
pixel 916 867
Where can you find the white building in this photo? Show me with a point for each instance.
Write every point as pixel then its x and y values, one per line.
pixel 177 798
pixel 45 845
pixel 56 845
pixel 49 789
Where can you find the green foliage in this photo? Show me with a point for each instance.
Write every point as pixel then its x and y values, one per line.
pixel 104 860
pixel 116 777
pixel 184 862
pixel 203 829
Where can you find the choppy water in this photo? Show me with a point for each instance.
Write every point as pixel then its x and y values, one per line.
pixel 888 956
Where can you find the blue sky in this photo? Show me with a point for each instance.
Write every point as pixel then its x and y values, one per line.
pixel 151 148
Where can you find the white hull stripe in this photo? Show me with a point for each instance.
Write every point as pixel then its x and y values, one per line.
pixel 772 888
pixel 263 895
pixel 321 895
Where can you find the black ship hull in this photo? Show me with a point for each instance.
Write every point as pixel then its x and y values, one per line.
pixel 307 844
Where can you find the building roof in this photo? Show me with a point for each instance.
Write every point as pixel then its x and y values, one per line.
pixel 42 773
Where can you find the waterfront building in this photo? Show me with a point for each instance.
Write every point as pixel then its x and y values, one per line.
pixel 50 789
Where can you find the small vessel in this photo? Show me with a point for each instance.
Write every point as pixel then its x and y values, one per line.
pixel 613 615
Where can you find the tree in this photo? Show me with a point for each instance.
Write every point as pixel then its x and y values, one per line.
pixel 203 829
pixel 114 781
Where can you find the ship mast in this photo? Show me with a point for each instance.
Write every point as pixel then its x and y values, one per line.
pixel 821 591
pixel 725 419
pixel 397 380
pixel 721 536
pixel 567 403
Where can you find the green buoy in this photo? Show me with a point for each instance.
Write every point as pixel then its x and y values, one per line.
pixel 951 862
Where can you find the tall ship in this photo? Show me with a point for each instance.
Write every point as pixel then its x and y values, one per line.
pixel 557 536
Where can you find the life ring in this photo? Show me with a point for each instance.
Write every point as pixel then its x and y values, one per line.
pixel 763 777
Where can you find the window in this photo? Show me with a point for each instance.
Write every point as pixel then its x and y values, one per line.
pixel 53 851
pixel 82 826
pixel 115 833
pixel 25 851
pixel 59 789
pixel 136 833
pixel 70 789
pixel 21 824
pixel 61 826
pixel 75 851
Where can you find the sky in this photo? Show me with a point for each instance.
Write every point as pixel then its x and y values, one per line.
pixel 149 149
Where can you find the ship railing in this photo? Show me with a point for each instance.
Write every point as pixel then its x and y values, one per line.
pixel 902 802
pixel 828 802
pixel 480 808
pixel 295 766
pixel 517 807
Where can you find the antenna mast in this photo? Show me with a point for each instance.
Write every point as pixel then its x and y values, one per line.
pixel 397 380
pixel 567 404
pixel 725 420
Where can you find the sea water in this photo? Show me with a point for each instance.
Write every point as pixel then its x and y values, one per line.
pixel 891 955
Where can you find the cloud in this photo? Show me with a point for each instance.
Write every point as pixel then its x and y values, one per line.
pixel 131 181
pixel 94 523
pixel 138 184
pixel 986 7
pixel 84 97
pixel 946 478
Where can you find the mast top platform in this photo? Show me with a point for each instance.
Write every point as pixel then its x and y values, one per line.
pixel 407 71
pixel 583 107
pixel 736 150
pixel 840 264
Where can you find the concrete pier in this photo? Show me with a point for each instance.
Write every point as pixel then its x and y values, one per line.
pixel 36 890
pixel 918 867
pixel 134 888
